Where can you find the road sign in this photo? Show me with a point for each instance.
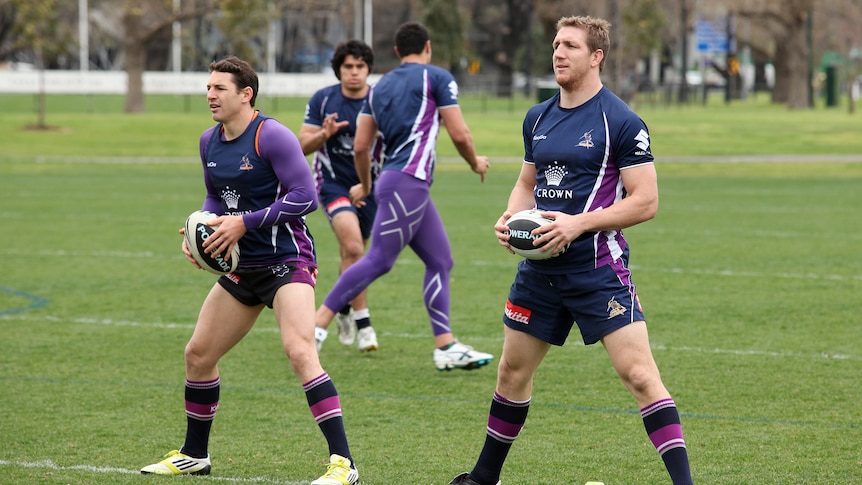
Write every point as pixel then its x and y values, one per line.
pixel 711 36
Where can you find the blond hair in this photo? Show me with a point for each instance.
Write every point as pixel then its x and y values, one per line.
pixel 598 32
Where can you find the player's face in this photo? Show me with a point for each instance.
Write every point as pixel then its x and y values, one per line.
pixel 224 98
pixel 572 58
pixel 354 76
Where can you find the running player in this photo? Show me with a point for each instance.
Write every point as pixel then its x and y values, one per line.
pixel 328 132
pixel 407 106
pixel 588 166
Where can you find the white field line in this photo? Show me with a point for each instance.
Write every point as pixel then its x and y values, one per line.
pixel 504 261
pixel 50 465
pixel 423 335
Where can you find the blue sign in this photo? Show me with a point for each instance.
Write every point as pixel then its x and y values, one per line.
pixel 711 37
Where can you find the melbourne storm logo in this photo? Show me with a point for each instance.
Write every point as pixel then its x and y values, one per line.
pixel 586 140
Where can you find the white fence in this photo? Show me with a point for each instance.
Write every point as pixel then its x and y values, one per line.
pixel 115 82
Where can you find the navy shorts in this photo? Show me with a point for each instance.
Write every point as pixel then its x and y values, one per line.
pixel 335 198
pixel 258 284
pixel 547 305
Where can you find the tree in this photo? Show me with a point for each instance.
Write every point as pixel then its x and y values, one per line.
pixel 446 27
pixel 504 30
pixel 788 23
pixel 37 28
pixel 135 25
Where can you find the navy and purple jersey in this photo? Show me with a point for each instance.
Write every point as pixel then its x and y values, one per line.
pixel 404 104
pixel 578 154
pixel 333 162
pixel 262 176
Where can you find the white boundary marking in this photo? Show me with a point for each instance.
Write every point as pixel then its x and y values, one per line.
pixel 575 342
pixel 50 465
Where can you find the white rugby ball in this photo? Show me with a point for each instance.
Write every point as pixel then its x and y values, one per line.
pixel 197 231
pixel 521 238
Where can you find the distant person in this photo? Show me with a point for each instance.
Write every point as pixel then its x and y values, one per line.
pixel 407 106
pixel 258 181
pixel 585 142
pixel 328 132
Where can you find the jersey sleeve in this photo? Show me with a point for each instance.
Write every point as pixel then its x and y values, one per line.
pixel 313 115
pixel 297 196
pixel 445 88
pixel 631 145
pixel 530 121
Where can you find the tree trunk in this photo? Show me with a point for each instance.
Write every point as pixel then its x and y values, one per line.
pixel 136 55
pixel 797 64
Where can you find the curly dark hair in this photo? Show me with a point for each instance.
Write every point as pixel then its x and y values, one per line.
pixel 355 48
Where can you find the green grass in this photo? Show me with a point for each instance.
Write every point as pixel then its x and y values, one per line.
pixel 96 127
pixel 749 276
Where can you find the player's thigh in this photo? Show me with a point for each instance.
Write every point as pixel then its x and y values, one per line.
pixel 629 350
pixel 431 242
pixel 522 354
pixel 223 321
pixel 345 225
pixel 294 310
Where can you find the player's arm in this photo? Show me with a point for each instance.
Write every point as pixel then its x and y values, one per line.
pixel 458 130
pixel 521 198
pixel 640 204
pixel 313 137
pixel 366 131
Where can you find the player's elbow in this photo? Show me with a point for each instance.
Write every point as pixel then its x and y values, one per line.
pixel 650 209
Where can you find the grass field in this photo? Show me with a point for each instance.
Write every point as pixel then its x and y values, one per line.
pixel 750 278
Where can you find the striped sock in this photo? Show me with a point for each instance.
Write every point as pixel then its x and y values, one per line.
pixel 325 406
pixel 201 405
pixel 505 421
pixel 662 423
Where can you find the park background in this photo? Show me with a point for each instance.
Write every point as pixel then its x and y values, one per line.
pixel 749 276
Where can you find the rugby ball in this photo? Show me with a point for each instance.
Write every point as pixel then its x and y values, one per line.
pixel 521 236
pixel 197 231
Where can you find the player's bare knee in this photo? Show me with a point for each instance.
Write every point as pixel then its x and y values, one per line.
pixel 640 379
pixel 352 251
pixel 511 378
pixel 197 361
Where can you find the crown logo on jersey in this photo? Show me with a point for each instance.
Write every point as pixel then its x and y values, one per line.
pixel 586 140
pixel 554 175
pixel 245 163
pixel 230 197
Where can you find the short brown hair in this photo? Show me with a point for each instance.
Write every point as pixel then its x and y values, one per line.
pixel 243 74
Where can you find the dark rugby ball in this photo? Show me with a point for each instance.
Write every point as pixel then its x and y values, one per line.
pixel 521 225
pixel 197 231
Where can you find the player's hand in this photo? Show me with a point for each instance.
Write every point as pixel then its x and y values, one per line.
pixel 331 127
pixel 186 252
pixel 226 236
pixel 481 166
pixel 501 230
pixel 558 234
pixel 358 194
